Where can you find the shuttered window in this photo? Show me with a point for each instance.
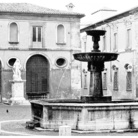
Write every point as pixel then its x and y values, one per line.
pixel 104 81
pixel 115 41
pixel 115 85
pixel 37 34
pixel 104 43
pixel 129 81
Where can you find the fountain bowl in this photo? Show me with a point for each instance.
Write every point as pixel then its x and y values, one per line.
pixel 95 56
pixel 96 32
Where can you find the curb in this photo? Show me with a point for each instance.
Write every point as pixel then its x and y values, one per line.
pixel 105 131
pixel 74 131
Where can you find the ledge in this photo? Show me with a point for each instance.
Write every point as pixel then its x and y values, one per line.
pixel 13 48
pixel 38 49
pixel 128 49
pixel 78 103
pixel 61 43
pixel 17 81
pixel 14 42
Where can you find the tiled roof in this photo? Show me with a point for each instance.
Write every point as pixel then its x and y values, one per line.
pixel 30 8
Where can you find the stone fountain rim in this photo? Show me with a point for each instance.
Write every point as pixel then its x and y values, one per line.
pixel 122 103
pixel 99 53
pixel 89 54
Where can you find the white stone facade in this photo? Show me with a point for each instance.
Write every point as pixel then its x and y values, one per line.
pixel 124 28
pixel 42 26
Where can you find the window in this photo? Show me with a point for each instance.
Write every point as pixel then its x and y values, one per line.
pixel 13 33
pixel 37 34
pixel 104 81
pixel 61 62
pixel 115 86
pixel 84 41
pixel 37 37
pixel 84 46
pixel 11 61
pixel 104 43
pixel 85 78
pixel 128 39
pixel 115 41
pixel 129 81
pixel 60 34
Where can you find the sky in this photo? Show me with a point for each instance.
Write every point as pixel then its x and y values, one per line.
pixel 82 6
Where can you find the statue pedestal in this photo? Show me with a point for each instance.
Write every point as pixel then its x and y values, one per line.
pixel 17 88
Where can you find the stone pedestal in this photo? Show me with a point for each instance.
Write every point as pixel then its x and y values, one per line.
pixel 64 131
pixel 96 91
pixel 17 88
pixel 96 78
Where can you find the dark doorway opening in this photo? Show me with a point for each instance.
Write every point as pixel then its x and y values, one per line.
pixel 37 77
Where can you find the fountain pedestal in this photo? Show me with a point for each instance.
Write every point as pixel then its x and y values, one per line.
pixel 17 88
pixel 95 90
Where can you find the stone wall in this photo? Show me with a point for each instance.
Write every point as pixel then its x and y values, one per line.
pixel 60 77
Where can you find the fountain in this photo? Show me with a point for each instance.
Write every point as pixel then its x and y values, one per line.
pixel 93 112
pixel 95 60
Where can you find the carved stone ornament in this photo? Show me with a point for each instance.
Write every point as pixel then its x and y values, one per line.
pixel 128 67
pixel 115 68
pixel 128 21
pixel 115 26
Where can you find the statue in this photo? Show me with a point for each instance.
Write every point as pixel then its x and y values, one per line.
pixel 17 70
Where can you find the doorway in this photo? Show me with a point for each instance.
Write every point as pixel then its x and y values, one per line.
pixel 37 77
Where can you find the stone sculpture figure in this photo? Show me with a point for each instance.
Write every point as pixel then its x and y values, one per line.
pixel 17 70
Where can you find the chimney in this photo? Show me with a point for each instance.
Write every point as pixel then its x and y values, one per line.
pixel 70 7
pixel 102 14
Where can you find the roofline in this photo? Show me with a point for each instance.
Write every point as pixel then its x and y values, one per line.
pixel 102 22
pixel 53 12
pixel 103 10
pixel 50 13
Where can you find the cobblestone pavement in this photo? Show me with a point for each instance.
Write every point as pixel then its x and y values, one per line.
pixel 20 114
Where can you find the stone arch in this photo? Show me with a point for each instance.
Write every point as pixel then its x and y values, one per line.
pixel 38 53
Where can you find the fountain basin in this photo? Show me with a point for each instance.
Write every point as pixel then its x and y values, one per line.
pixel 86 116
pixel 95 56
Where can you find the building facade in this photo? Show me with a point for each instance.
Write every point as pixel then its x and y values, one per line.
pixel 43 40
pixel 120 77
